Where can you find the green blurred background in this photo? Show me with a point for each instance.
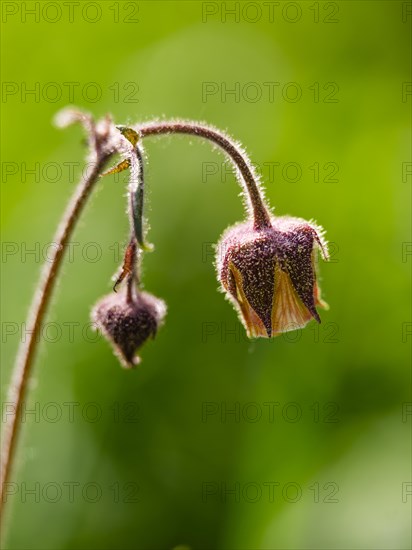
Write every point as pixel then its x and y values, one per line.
pixel 317 452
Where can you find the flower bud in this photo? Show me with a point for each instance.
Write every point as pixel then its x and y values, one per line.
pixel 128 321
pixel 270 274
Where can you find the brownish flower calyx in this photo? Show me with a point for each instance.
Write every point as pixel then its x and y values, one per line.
pixel 129 323
pixel 270 274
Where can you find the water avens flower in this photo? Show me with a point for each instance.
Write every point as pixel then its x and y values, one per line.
pixel 269 274
pixel 129 321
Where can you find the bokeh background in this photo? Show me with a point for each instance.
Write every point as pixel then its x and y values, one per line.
pixel 214 442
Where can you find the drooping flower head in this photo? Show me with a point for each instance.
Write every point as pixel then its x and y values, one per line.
pixel 129 322
pixel 269 274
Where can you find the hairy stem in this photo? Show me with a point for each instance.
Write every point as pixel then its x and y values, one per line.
pixel 136 196
pixel 261 216
pixel 27 350
pixel 131 280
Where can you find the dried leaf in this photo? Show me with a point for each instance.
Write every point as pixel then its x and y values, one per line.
pixel 123 165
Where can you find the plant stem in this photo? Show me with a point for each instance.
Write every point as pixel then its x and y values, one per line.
pixel 136 196
pixel 261 216
pixel 27 350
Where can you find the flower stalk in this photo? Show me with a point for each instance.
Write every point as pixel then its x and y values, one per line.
pixel 101 150
pixel 248 177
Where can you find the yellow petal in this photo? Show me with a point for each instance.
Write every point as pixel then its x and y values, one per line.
pixel 253 323
pixel 318 300
pixel 288 311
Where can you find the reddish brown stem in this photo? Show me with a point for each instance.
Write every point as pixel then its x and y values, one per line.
pixel 261 216
pixel 27 350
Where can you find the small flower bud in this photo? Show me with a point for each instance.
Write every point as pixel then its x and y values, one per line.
pixel 128 322
pixel 270 274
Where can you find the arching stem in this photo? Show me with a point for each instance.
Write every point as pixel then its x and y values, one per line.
pixel 261 216
pixel 41 300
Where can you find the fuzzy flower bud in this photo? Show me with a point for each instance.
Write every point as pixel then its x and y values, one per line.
pixel 128 322
pixel 270 274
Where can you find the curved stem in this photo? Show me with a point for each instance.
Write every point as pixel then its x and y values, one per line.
pixel 261 216
pixel 27 350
